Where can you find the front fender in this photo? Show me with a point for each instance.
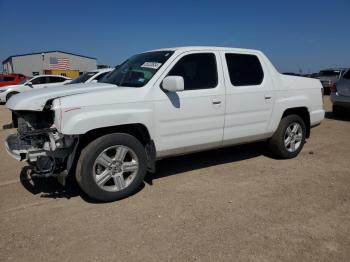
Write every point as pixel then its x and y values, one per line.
pixel 76 121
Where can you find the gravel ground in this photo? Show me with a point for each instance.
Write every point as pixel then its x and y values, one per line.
pixel 234 204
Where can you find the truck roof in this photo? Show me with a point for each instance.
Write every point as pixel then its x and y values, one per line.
pixel 50 75
pixel 203 48
pixel 335 69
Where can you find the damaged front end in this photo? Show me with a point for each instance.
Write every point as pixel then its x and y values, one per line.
pixel 38 142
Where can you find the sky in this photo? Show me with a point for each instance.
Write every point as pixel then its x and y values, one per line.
pixel 296 35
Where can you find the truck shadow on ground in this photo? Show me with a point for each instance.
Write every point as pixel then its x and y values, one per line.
pixel 51 188
pixel 47 187
pixel 185 163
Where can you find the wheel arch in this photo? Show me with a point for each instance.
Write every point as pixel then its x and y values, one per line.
pixel 302 112
pixel 138 130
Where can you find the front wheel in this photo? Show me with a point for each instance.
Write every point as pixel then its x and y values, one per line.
pixel 289 139
pixel 111 167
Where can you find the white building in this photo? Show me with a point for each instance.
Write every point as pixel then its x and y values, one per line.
pixel 37 63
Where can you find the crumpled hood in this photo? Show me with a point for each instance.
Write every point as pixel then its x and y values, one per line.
pixel 35 100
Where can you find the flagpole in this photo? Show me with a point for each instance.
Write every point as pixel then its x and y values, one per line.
pixel 42 62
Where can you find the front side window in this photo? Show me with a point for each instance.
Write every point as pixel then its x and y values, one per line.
pixel 38 80
pixel 138 70
pixel 244 70
pixel 199 71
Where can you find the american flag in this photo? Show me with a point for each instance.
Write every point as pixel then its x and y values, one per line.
pixel 61 63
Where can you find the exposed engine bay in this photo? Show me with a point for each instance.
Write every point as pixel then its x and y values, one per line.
pixel 40 144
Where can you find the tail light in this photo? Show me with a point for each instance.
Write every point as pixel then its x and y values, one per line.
pixel 333 87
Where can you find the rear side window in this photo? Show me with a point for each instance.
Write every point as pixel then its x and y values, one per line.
pixel 8 78
pixel 244 70
pixel 198 70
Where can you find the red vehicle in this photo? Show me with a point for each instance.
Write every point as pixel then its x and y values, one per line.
pixel 11 79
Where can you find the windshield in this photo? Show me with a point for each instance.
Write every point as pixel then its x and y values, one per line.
pixel 24 81
pixel 329 73
pixel 83 78
pixel 137 70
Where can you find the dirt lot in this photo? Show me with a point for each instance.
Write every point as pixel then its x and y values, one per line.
pixel 234 204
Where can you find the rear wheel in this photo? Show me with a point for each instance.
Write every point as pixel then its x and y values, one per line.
pixel 289 139
pixel 111 167
pixel 9 95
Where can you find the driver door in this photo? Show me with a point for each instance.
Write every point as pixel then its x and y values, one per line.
pixel 193 119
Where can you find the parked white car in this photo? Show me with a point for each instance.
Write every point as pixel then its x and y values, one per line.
pixel 91 76
pixel 35 82
pixel 159 104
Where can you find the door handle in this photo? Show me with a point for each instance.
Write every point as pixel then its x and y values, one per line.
pixel 216 102
pixel 268 97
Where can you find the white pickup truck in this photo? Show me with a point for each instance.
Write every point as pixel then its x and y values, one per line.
pixel 158 104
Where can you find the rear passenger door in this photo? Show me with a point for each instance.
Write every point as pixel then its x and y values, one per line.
pixel 193 119
pixel 249 97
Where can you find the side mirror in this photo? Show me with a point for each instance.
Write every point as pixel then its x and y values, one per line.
pixel 30 84
pixel 173 83
pixel 94 81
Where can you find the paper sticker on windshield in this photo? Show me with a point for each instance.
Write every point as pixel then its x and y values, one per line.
pixel 153 65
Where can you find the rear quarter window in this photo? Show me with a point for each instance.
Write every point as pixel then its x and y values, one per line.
pixel 244 69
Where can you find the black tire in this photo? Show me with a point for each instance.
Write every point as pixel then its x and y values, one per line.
pixel 84 169
pixel 9 95
pixel 337 110
pixel 326 91
pixel 276 142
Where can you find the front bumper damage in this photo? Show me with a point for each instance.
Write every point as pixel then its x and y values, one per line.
pixel 48 152
pixel 14 148
pixel 20 149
